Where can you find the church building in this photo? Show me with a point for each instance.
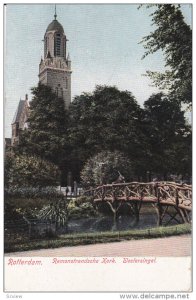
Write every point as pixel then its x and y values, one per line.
pixel 54 71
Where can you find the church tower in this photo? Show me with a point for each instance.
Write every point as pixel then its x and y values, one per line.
pixel 55 68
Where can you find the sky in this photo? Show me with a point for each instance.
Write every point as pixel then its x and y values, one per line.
pixel 103 46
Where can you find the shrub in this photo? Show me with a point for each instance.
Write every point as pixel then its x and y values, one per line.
pixel 105 168
pixel 32 192
pixel 29 200
pixel 83 199
pixel 77 209
pixel 25 171
pixel 54 213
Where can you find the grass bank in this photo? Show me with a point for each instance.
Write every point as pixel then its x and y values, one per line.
pixel 101 237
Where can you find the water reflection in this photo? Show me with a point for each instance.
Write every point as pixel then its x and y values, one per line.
pixel 106 223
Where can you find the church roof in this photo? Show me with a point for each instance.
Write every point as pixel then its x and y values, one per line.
pixel 55 26
pixel 18 111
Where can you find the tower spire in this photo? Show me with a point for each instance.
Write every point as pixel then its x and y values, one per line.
pixel 55 15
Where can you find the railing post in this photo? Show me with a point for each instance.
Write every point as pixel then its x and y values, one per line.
pixel 159 206
pixel 156 191
pixel 177 198
pixel 113 193
pixel 158 194
pixel 103 192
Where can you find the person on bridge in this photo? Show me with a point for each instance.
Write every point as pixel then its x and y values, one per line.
pixel 120 178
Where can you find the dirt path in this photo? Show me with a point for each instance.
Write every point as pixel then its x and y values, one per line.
pixel 170 246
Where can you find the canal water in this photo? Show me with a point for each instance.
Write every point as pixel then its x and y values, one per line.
pixel 148 219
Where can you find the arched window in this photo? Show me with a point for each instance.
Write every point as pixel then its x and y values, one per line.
pixel 58 44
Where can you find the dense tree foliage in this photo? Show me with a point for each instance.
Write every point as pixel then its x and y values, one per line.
pixel 107 167
pixel 46 136
pixel 155 139
pixel 174 37
pixel 107 119
pixel 30 171
pixel 169 136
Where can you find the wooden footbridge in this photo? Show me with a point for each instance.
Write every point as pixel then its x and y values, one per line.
pixel 161 195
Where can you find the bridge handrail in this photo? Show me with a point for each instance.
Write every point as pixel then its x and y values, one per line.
pixel 154 183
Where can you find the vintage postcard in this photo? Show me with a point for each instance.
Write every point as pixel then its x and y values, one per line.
pixel 98 148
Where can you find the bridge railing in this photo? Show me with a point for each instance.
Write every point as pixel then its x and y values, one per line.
pixel 152 192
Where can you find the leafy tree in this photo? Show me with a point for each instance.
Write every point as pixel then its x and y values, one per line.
pixel 46 134
pixel 180 154
pixel 169 137
pixel 32 171
pixel 174 37
pixel 106 167
pixel 107 119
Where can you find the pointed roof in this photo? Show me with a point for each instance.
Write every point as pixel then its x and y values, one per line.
pixel 18 111
pixel 55 25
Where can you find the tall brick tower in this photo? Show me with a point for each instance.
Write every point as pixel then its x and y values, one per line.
pixel 55 68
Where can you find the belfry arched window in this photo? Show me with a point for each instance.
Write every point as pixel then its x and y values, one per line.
pixel 58 44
